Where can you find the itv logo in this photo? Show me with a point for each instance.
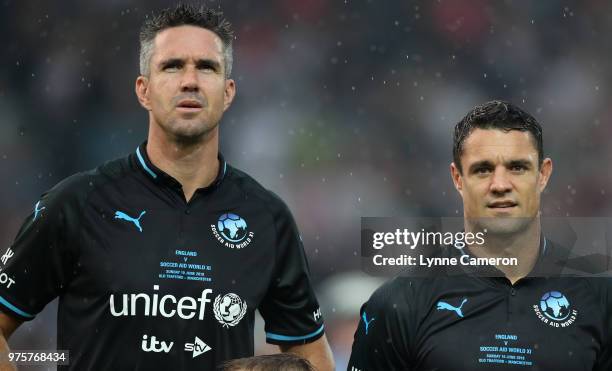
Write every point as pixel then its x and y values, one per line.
pixel 153 345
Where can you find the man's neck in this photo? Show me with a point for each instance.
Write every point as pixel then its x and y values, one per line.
pixel 524 246
pixel 194 165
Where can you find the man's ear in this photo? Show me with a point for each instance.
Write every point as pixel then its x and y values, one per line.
pixel 142 92
pixel 229 94
pixel 545 173
pixel 457 179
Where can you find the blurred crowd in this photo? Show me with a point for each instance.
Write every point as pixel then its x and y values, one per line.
pixel 344 108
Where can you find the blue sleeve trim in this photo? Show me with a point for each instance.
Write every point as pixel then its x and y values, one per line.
pixel 144 165
pixel 272 336
pixel 14 308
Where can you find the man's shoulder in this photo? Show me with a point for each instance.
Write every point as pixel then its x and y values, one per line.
pixel 419 292
pixel 79 186
pixel 251 188
pixel 392 290
pixel 399 290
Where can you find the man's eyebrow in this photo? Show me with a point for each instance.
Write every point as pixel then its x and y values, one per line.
pixel 480 164
pixel 200 63
pixel 206 62
pixel 171 62
pixel 519 162
pixel 488 164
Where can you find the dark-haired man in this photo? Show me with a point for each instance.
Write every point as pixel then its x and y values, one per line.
pixel 160 259
pixel 513 317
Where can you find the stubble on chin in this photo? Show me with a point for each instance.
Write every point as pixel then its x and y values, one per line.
pixel 187 135
pixel 501 225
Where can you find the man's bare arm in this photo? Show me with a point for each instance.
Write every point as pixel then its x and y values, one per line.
pixel 317 352
pixel 8 325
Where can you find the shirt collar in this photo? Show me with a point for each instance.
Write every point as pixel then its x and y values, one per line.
pixel 159 176
pixel 540 268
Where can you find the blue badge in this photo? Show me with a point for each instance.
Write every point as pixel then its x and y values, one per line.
pixel 555 306
pixel 232 227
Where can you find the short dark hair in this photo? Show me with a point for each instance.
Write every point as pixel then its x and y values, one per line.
pixel 498 115
pixel 185 15
pixel 276 362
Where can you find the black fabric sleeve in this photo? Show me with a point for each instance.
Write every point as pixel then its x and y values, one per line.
pixel 34 269
pixel 290 308
pixel 604 358
pixel 382 340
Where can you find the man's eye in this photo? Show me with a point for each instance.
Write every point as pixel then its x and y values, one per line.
pixel 518 168
pixel 171 68
pixel 482 170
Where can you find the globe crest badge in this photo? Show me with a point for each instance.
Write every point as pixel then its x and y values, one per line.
pixel 555 306
pixel 229 309
pixel 230 230
pixel 232 227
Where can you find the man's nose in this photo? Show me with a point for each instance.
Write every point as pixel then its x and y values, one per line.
pixel 500 183
pixel 189 79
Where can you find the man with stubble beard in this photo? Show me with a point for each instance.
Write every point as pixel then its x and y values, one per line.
pixel 505 317
pixel 160 259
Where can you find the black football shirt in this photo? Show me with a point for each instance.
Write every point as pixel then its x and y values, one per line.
pixel 470 323
pixel 146 280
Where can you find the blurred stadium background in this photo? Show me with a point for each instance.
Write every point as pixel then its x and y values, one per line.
pixel 344 108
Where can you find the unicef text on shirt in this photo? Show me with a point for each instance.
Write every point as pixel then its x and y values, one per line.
pixel 167 306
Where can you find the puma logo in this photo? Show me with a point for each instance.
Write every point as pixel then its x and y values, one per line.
pixel 37 210
pixel 124 216
pixel 445 306
pixel 366 322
